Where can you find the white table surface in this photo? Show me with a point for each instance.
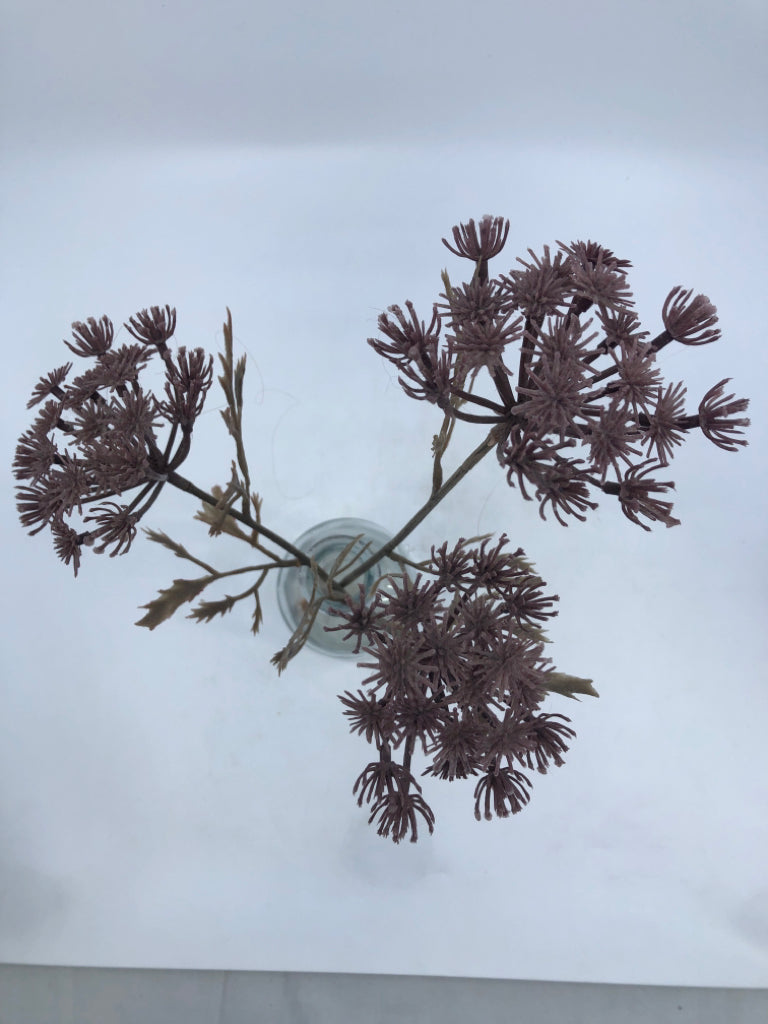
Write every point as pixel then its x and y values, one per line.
pixel 165 799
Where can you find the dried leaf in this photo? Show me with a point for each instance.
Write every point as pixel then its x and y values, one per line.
pixel 217 517
pixel 220 522
pixel 170 600
pixel 208 610
pixel 162 538
pixel 302 631
pixel 258 616
pixel 178 549
pixel 569 686
pixel 239 374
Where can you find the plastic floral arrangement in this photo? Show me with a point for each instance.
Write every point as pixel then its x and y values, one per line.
pixel 453 647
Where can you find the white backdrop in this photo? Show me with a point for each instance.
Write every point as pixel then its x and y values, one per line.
pixel 165 799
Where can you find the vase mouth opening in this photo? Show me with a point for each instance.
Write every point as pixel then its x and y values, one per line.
pixel 327 544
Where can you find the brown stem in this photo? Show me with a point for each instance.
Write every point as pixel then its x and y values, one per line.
pixel 504 388
pixel 661 340
pixel 469 417
pixel 407 754
pixel 469 463
pixel 468 396
pixel 532 328
pixel 186 485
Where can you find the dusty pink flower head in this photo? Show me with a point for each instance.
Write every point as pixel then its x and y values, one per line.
pixel 716 417
pixel 481 242
pixel 690 320
pixel 97 436
pixel 579 392
pixel 464 688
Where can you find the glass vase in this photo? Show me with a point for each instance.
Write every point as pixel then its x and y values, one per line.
pixel 325 542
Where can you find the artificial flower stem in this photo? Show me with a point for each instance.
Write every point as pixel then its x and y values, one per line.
pixel 469 463
pixel 186 485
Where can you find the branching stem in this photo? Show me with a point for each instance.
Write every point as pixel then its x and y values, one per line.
pixel 469 463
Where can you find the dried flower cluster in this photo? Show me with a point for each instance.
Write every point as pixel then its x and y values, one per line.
pixel 96 437
pixel 458 669
pixel 455 653
pixel 588 411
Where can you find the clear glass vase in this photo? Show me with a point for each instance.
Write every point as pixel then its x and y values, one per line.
pixel 325 542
